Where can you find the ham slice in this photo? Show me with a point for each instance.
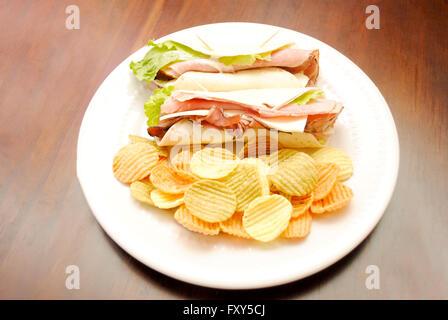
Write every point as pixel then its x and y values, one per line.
pixel 321 125
pixel 320 114
pixel 236 124
pixel 293 59
pixel 214 116
pixel 157 131
pixel 318 106
pixel 217 118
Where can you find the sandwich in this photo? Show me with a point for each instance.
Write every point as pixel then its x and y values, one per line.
pixel 170 59
pixel 296 113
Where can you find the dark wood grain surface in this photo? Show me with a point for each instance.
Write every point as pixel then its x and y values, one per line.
pixel 48 75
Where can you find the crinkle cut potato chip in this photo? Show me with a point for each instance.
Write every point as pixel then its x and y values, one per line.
pixel 136 139
pixel 163 151
pixel 247 183
pixel 165 200
pixel 180 163
pixel 213 163
pixel 338 198
pixel 134 162
pixel 300 205
pixel 298 227
pixel 210 200
pixel 234 226
pixel 264 158
pixel 287 196
pixel 295 175
pixel 262 165
pixel 141 190
pixel 308 151
pixel 193 223
pixel 328 174
pixel 267 217
pixel 281 156
pixel 165 179
pixel 162 160
pixel 337 156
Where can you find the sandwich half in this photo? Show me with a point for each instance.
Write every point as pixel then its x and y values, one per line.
pixel 296 113
pixel 170 59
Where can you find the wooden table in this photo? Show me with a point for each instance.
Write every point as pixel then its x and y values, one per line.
pixel 48 75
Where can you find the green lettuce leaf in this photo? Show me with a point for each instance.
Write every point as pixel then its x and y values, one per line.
pixel 161 55
pixel 307 96
pixel 153 104
pixel 245 60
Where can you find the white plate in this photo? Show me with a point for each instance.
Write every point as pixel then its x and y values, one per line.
pixel 365 130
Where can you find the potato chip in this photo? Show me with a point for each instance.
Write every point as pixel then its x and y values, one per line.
pixel 165 200
pixel 267 217
pixel 192 223
pixel 163 151
pixel 180 164
pixel 295 173
pixel 247 183
pixel 213 163
pixel 300 205
pixel 162 160
pixel 280 156
pixel 298 140
pixel 165 179
pixel 210 200
pixel 338 197
pixel 308 151
pixel 141 190
pixel 134 162
pixel 264 158
pixel 298 227
pixel 337 156
pixel 328 174
pixel 287 196
pixel 234 226
pixel 261 164
pixel 136 139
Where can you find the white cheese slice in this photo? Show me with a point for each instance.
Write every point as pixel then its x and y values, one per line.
pixel 303 79
pixel 286 124
pixel 261 78
pixel 272 97
pixel 185 114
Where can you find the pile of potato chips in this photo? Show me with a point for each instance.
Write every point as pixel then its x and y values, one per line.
pixel 264 197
